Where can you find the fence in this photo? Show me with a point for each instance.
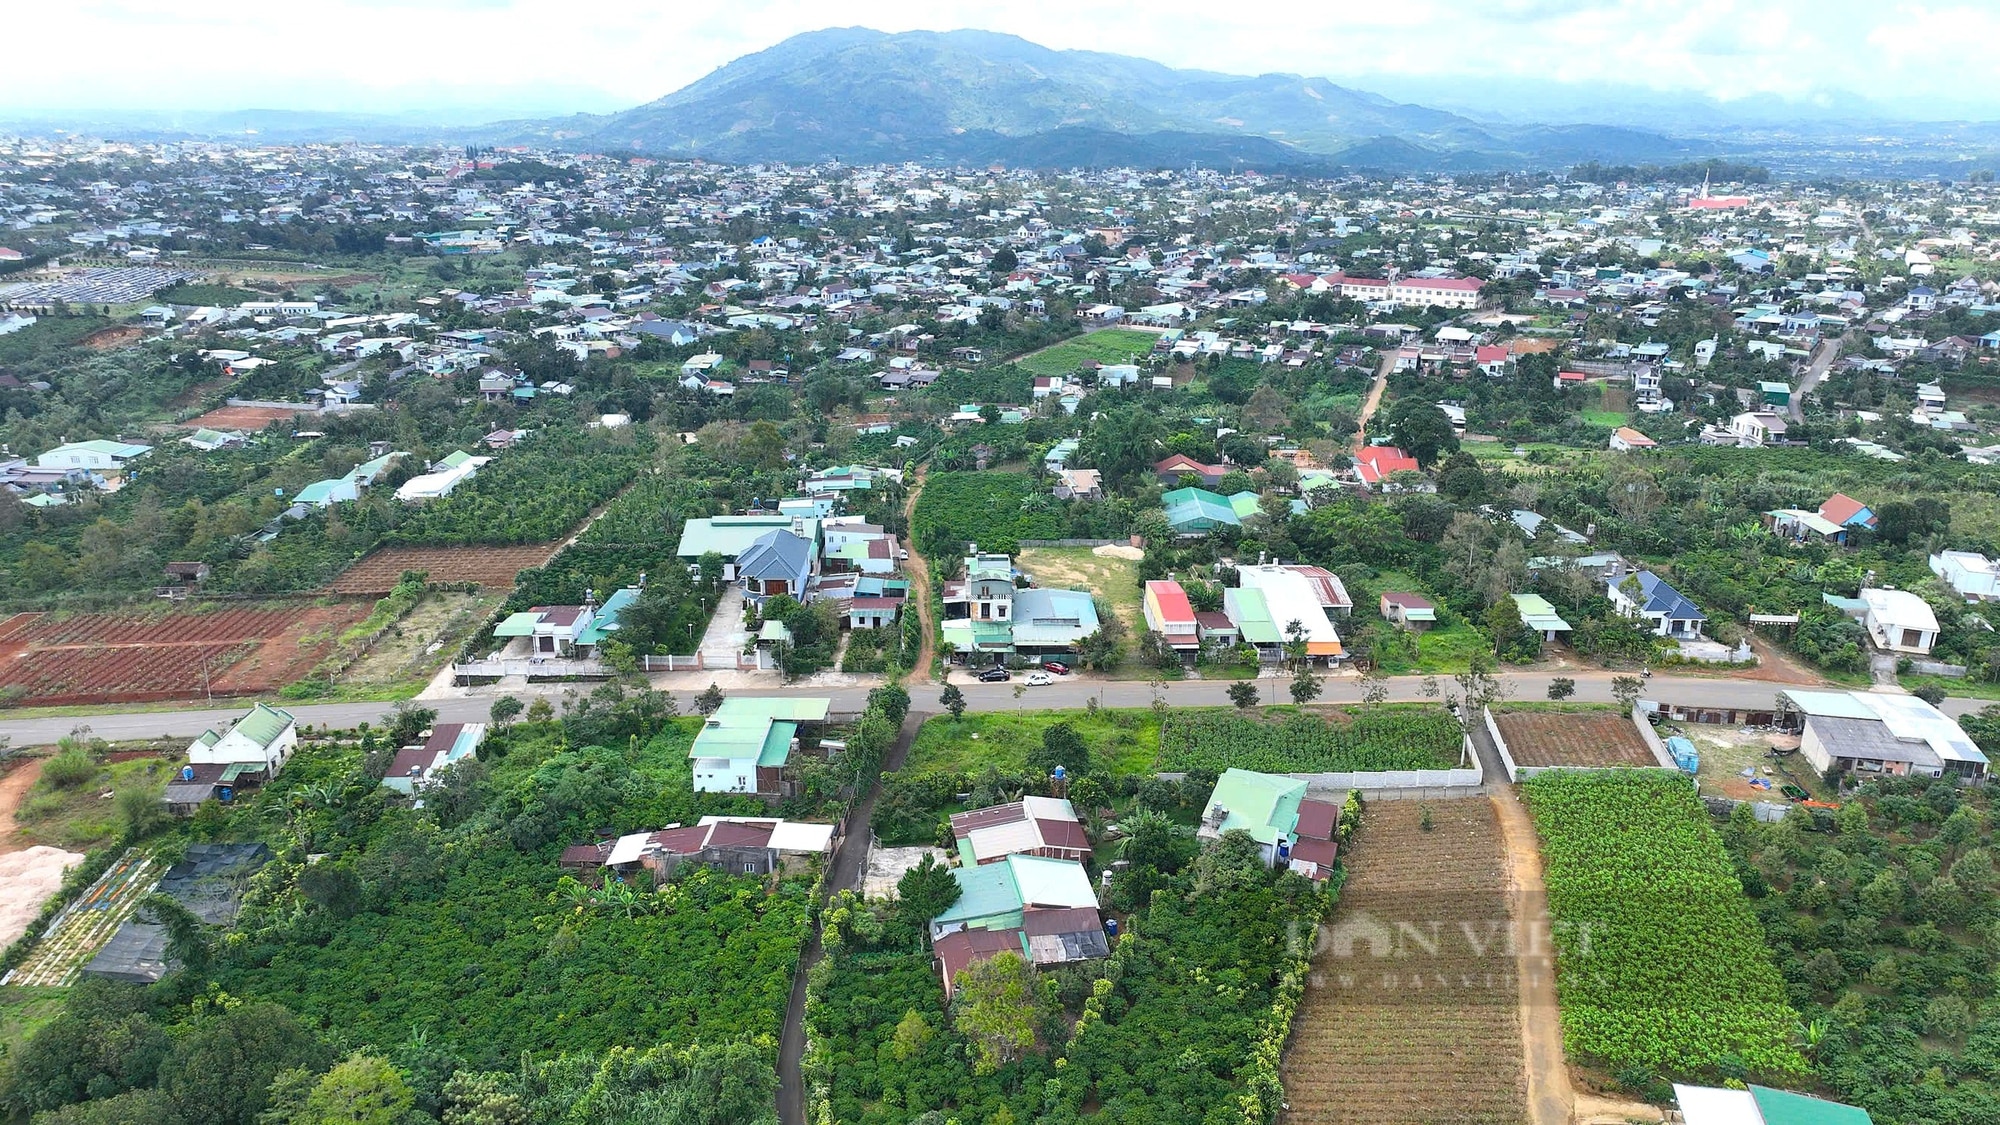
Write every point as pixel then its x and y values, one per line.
pixel 1521 773
pixel 670 663
pixel 531 669
pixel 1716 715
pixel 1072 542
pixel 1935 668
pixel 1390 785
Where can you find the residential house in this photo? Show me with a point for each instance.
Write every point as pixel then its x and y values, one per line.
pixel 979 608
pixel 778 562
pixel 445 474
pixel 1802 526
pixel 1052 622
pixel 1250 615
pixel 1196 511
pixel 97 458
pixel 551 630
pixel 747 744
pixel 1539 615
pixel 1079 484
pixel 1043 909
pixel 1292 830
pixel 1899 621
pixel 1290 596
pixel 1170 614
pixel 1647 596
pixel 1974 577
pixel 1410 612
pixel 1846 511
pixel 730 536
pixel 1624 439
pixel 1374 464
pixel 1041 826
pixel 740 845
pixel 447 744
pixel 1758 427
pixel 1874 733
pixel 250 752
pixel 1761 1105
pixel 1169 470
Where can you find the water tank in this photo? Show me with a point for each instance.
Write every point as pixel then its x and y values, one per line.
pixel 227 793
pixel 187 773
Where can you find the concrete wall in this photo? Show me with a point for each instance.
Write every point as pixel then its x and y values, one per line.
pixel 1517 773
pixel 1389 785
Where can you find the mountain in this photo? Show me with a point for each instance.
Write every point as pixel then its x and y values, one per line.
pixel 867 96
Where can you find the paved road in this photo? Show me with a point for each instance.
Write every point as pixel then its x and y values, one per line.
pixel 1067 693
pixel 1821 360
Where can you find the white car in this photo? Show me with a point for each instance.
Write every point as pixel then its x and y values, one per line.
pixel 1039 679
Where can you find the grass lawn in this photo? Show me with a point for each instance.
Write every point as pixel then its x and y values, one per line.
pixel 1113 345
pixel 1122 741
pixel 1604 417
pixel 1964 689
pixel 84 816
pixel 1114 579
pixel 23 1011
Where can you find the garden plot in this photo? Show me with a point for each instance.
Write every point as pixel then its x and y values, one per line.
pixel 86 924
pixel 1573 739
pixel 1413 1009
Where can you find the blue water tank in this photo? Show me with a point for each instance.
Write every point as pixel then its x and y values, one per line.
pixel 1111 926
pixel 227 793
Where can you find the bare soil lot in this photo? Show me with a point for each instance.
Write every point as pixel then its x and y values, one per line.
pixel 1588 739
pixel 492 567
pixel 247 418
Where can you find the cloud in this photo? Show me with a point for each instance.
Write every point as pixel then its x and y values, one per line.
pixel 559 56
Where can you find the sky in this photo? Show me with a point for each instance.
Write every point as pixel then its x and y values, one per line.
pixel 478 59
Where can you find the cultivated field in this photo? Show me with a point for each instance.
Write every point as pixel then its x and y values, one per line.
pixel 246 418
pixel 1579 739
pixel 173 654
pixel 1112 345
pixel 1413 1011
pixel 487 566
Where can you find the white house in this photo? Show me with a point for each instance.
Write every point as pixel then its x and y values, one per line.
pixel 262 739
pixel 1976 578
pixel 1652 600
pixel 1758 427
pixel 1899 621
pixel 96 456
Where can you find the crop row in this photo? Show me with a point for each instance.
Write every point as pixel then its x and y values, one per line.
pixel 217 627
pixel 1372 739
pixel 80 675
pixel 1659 960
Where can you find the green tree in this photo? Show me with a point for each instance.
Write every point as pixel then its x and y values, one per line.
pixel 1421 430
pixel 709 699
pixel 505 710
pixel 1305 686
pixel 1626 689
pixel 363 1090
pixel 1061 746
pixel 1561 687
pixel 997 1005
pixel 222 1067
pixel 926 891
pixel 953 700
pixel 139 812
pixel 1243 694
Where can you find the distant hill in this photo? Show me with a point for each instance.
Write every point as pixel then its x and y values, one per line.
pixel 865 96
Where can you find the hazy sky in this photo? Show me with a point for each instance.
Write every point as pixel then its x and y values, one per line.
pixel 551 56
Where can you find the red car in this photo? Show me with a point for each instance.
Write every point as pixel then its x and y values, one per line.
pixel 1056 666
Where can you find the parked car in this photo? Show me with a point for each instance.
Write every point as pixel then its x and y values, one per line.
pixel 1039 679
pixel 1056 666
pixel 995 676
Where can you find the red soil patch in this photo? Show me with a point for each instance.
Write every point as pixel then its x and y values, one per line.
pixel 104 339
pixel 246 418
pixel 1590 739
pixel 177 654
pixel 493 567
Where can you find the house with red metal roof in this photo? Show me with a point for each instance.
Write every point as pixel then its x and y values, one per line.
pixel 1171 615
pixel 1043 826
pixel 1374 464
pixel 740 845
pixel 1170 469
pixel 1846 511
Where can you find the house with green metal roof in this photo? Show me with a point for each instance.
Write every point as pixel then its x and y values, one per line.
pixel 1291 828
pixel 1251 614
pixel 1197 511
pixel 1539 615
pixel 251 751
pixel 97 456
pixel 746 745
pixel 1044 910
pixel 1761 1105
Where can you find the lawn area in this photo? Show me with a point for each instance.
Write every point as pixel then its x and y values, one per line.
pixel 23 1010
pixel 1113 345
pixel 1114 579
pixel 83 817
pixel 1122 741
pixel 1604 417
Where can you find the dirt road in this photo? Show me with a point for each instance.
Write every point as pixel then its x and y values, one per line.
pixel 14 786
pixel 1550 1098
pixel 1374 399
pixel 919 569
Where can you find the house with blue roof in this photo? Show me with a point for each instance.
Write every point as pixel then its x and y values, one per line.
pixel 777 562
pixel 1646 595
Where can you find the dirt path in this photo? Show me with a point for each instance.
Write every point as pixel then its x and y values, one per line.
pixel 1374 399
pixel 1550 1098
pixel 920 587
pixel 850 859
pixel 13 790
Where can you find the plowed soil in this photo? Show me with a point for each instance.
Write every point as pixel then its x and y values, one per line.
pixel 172 654
pixel 249 419
pixel 1413 1011
pixel 491 567
pixel 1584 740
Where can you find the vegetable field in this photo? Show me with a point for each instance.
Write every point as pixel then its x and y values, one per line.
pixel 179 654
pixel 1659 961
pixel 994 510
pixel 1342 739
pixel 1112 345
pixel 1433 1034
